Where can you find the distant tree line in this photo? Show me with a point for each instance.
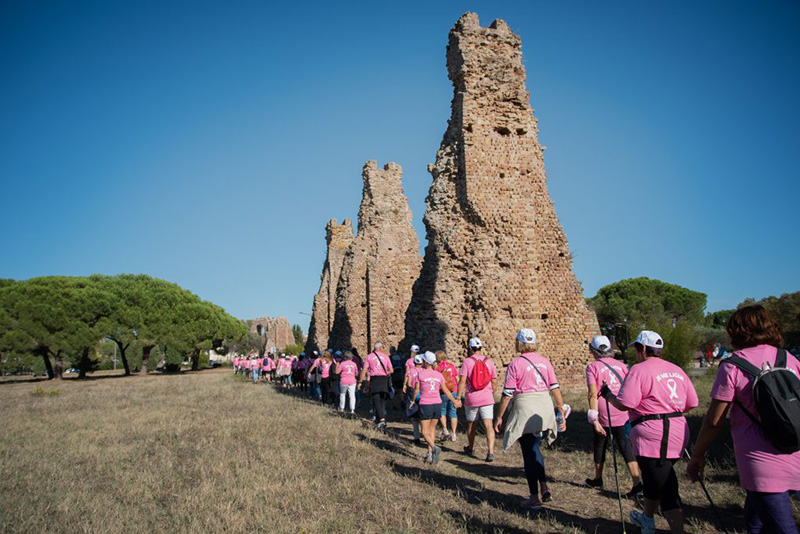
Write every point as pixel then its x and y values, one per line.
pixel 61 320
pixel 678 314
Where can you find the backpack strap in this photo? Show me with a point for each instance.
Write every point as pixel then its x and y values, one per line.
pixel 781 359
pixel 752 371
pixel 612 370
pixel 546 383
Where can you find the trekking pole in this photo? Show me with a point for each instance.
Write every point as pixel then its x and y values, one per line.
pixel 614 457
pixel 708 496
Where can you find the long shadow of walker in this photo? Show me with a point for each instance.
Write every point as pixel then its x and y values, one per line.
pixel 473 492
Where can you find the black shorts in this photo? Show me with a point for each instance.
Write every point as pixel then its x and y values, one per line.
pixel 660 482
pixel 601 443
pixel 430 411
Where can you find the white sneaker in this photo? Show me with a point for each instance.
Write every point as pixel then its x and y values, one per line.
pixel 647 524
pixel 444 435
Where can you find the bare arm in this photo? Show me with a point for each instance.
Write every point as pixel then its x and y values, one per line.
pixel 712 424
pixel 592 396
pixel 462 386
pixel 498 421
pixel 456 402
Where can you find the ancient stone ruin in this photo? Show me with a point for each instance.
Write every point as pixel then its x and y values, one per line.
pixel 277 330
pixel 497 258
pixel 379 267
pixel 338 238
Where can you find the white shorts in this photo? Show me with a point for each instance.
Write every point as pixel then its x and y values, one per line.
pixel 479 412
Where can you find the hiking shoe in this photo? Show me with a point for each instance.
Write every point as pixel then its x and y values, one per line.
pixel 490 457
pixel 444 435
pixel 468 451
pixel 417 442
pixel 636 491
pixel 532 504
pixel 381 424
pixel 647 524
pixel 435 456
pixel 546 496
pixel 428 458
pixel 452 436
pixel 594 483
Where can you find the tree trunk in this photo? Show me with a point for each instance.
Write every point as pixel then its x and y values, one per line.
pixel 195 359
pixel 82 365
pixel 59 370
pixel 145 356
pixel 48 366
pixel 124 358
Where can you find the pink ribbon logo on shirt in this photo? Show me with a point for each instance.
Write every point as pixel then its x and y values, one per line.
pixel 673 388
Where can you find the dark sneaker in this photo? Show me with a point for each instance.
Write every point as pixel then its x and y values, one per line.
pixel 533 504
pixel 546 496
pixel 468 451
pixel 594 483
pixel 435 456
pixel 490 457
pixel 417 442
pixel 636 491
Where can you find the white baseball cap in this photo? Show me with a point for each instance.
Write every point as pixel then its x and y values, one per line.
pixel 429 357
pixel 475 343
pixel 415 348
pixel 526 335
pixel 418 359
pixel 600 343
pixel 648 338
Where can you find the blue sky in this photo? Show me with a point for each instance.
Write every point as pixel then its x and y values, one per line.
pixel 208 143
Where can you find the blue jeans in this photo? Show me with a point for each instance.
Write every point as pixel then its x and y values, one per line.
pixel 769 512
pixel 254 372
pixel 448 408
pixel 534 462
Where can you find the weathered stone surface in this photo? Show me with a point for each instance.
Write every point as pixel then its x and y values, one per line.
pixel 277 330
pixel 380 267
pixel 497 258
pixel 338 237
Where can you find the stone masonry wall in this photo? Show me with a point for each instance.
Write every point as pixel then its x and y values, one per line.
pixel 338 237
pixel 380 267
pixel 497 258
pixel 277 330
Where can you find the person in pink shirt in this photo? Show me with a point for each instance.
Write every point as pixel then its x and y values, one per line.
pixel 378 367
pixel 657 394
pixel 412 354
pixel 530 381
pixel 430 384
pixel 324 365
pixel 605 418
pixel 412 406
pixel 478 404
pixel 236 365
pixel 766 474
pixel 450 374
pixel 348 372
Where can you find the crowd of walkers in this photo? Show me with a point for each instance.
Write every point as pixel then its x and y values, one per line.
pixel 638 411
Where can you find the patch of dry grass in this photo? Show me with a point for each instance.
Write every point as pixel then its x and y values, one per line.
pixel 206 452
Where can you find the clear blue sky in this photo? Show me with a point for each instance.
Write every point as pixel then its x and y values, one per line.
pixel 207 143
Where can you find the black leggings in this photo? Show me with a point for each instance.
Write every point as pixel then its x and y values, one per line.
pixel 660 482
pixel 325 384
pixel 534 462
pixel 623 445
pixel 378 387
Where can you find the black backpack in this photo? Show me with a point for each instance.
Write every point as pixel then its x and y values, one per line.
pixel 776 392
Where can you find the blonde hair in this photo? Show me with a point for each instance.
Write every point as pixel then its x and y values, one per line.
pixel 441 356
pixel 523 347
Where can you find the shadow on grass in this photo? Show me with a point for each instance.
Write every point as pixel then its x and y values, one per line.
pixel 473 492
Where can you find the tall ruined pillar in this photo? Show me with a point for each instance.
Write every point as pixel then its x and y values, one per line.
pixel 380 266
pixel 497 258
pixel 338 238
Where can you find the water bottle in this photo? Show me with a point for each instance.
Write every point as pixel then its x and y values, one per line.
pixel 559 418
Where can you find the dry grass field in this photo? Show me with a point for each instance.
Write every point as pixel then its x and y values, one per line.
pixel 209 452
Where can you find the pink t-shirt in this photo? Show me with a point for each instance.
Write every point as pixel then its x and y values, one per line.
pixel 410 364
pixel 286 364
pixel 325 365
pixel 349 370
pixel 597 373
pixel 374 367
pixel 521 377
pixel 485 396
pixel 413 373
pixel 761 466
pixel 236 362
pixel 430 386
pixel 656 386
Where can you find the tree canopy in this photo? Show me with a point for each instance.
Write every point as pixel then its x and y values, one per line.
pixel 65 318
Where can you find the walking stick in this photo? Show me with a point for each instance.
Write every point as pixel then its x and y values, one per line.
pixel 708 496
pixel 614 457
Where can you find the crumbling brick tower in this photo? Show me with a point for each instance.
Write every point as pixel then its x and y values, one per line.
pixel 497 258
pixel 380 266
pixel 338 237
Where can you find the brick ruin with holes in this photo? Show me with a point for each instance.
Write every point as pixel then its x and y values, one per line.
pixel 497 258
pixel 338 238
pixel 379 267
pixel 277 330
